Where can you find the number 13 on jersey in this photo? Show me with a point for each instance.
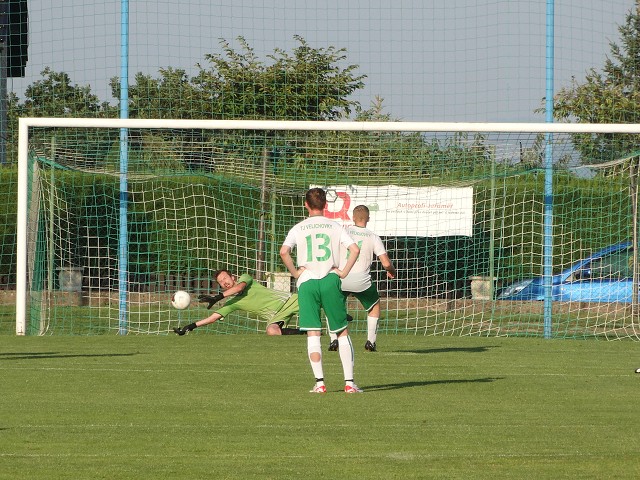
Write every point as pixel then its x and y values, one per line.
pixel 318 247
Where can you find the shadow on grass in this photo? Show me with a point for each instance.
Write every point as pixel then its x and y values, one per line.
pixel 485 348
pixel 395 386
pixel 49 355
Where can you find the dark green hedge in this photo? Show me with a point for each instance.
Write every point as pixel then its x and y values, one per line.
pixel 169 216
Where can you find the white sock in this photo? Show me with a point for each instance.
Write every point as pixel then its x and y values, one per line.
pixel 313 346
pixel 345 349
pixel 372 329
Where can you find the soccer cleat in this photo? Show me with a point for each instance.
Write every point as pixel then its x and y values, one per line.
pixel 179 331
pixel 352 389
pixel 370 346
pixel 349 318
pixel 333 346
pixel 318 389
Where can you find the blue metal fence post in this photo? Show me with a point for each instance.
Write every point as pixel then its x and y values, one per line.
pixel 548 176
pixel 123 247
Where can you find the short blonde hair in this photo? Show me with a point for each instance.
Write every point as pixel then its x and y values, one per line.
pixel 361 213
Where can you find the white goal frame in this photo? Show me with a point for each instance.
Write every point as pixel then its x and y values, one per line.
pixel 26 123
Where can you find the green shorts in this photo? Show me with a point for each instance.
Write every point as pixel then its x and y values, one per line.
pixel 288 310
pixel 367 298
pixel 325 294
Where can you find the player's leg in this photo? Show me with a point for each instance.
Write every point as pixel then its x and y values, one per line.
pixel 291 331
pixel 314 351
pixel 278 328
pixel 280 323
pixel 310 304
pixel 345 349
pixel 372 327
pixel 334 305
pixel 370 301
pixel 274 329
pixel 333 337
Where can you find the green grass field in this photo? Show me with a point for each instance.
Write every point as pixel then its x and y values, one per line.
pixel 237 406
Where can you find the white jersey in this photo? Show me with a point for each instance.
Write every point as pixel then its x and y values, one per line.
pixel 317 241
pixel 359 278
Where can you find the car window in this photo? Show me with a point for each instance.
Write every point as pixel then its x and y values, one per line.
pixel 618 265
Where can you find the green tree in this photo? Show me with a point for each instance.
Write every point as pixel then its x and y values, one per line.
pixel 171 95
pixel 14 111
pixel 609 96
pixel 56 96
pixel 53 96
pixel 306 84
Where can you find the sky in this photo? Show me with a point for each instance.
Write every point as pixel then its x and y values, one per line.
pixel 439 60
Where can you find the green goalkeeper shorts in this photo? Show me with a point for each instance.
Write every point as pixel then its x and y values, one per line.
pixel 288 310
pixel 323 294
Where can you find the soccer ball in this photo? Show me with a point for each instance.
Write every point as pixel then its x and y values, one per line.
pixel 180 300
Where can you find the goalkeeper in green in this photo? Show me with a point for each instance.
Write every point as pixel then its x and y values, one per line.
pixel 245 294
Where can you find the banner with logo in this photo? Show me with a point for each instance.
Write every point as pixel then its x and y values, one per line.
pixel 405 211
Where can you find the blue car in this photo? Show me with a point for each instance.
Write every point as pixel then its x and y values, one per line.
pixel 605 276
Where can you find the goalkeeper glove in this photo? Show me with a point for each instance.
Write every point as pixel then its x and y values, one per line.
pixel 211 300
pixel 185 329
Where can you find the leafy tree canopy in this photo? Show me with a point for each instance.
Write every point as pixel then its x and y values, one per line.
pixel 608 96
pixel 56 96
pixel 306 84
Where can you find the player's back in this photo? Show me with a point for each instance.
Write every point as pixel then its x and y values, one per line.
pixel 371 246
pixel 317 240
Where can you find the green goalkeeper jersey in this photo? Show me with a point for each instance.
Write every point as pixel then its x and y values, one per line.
pixel 270 305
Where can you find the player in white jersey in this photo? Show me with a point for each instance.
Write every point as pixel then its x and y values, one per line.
pixel 358 282
pixel 317 241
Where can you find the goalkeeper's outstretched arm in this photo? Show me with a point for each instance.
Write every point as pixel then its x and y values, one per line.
pixel 211 300
pixel 214 317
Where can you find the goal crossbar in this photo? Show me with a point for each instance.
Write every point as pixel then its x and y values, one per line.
pixel 26 122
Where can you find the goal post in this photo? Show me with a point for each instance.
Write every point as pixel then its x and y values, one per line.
pixel 460 207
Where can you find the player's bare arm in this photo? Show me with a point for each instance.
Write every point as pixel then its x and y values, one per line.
pixel 388 266
pixel 214 317
pixel 287 259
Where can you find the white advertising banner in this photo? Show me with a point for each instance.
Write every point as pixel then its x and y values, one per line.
pixel 405 211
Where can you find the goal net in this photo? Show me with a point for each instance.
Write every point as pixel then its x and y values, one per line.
pixel 494 229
